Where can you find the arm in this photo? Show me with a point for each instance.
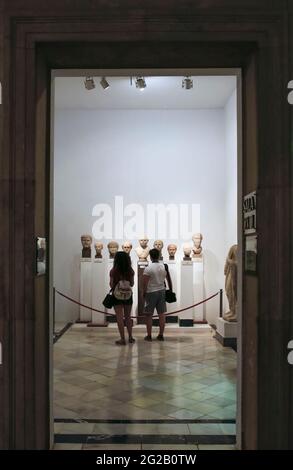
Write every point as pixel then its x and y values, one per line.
pixel 111 279
pixel 168 277
pixel 132 280
pixel 169 281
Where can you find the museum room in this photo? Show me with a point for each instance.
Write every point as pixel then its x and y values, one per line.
pixel 145 159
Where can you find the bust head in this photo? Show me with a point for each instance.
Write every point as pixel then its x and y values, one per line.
pixel 172 248
pixel 113 248
pixel 98 247
pixel 127 247
pixel 144 242
pixel 142 250
pixel 158 244
pixel 197 239
pixel 86 241
pixel 197 249
pixel 186 250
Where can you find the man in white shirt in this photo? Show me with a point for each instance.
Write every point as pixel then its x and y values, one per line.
pixel 154 292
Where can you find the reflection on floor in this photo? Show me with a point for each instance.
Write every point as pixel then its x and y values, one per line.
pixel 176 393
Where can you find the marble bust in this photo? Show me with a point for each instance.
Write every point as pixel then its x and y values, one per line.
pixel 127 247
pixel 158 244
pixel 86 241
pixel 142 250
pixel 197 249
pixel 172 248
pixel 187 252
pixel 112 248
pixel 230 272
pixel 99 247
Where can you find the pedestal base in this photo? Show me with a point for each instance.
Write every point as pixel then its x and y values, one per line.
pixel 226 333
pixel 186 322
pixel 85 314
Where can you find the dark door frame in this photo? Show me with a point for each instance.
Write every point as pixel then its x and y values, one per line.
pixel 255 41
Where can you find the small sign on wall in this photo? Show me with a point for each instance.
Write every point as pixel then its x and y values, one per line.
pixel 41 255
pixel 251 254
pixel 249 213
pixel 249 225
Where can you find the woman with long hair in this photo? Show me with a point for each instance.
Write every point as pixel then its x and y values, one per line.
pixel 121 282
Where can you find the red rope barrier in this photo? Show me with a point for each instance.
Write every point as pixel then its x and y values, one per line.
pixel 139 316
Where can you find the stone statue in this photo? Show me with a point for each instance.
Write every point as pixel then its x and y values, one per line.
pixel 99 247
pixel 172 251
pixel 158 244
pixel 187 252
pixel 142 251
pixel 197 249
pixel 127 247
pixel 86 241
pixel 230 272
pixel 113 248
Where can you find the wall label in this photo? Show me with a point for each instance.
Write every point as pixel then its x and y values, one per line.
pixel 249 213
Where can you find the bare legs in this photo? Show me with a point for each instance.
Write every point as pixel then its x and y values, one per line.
pixel 123 312
pixel 128 321
pixel 162 321
pixel 120 320
pixel 149 324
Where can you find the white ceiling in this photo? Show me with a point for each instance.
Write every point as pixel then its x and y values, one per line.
pixel 161 93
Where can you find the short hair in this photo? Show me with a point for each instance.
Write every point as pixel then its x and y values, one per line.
pixel 154 254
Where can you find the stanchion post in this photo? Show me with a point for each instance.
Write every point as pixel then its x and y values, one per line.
pixel 221 303
pixel 54 299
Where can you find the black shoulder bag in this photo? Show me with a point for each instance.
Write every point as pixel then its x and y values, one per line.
pixel 170 296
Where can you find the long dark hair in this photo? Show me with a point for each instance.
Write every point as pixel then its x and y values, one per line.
pixel 122 263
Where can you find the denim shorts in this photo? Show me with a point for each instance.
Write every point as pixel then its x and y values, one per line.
pixel 155 300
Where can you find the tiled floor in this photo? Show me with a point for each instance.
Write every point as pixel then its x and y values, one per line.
pixel 181 388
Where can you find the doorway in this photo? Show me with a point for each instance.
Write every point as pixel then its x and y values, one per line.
pixel 183 135
pixel 198 36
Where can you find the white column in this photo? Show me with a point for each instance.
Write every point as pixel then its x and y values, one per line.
pixel 134 293
pixel 198 288
pixel 85 289
pixel 174 270
pixel 99 291
pixel 108 266
pixel 186 290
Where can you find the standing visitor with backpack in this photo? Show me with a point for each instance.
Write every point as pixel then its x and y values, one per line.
pixel 121 282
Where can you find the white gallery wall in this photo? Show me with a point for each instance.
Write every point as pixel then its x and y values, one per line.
pixel 147 157
pixel 231 174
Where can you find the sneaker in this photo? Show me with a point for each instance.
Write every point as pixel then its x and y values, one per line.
pixel 131 340
pixel 148 338
pixel 160 338
pixel 120 342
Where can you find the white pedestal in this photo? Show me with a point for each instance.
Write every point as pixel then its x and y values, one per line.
pixel 174 270
pixel 226 329
pixel 99 291
pixel 134 294
pixel 198 289
pixel 141 265
pixel 186 289
pixel 108 266
pixel 226 333
pixel 85 314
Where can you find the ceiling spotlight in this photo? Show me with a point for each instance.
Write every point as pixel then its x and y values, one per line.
pixel 104 83
pixel 187 83
pixel 89 83
pixel 140 83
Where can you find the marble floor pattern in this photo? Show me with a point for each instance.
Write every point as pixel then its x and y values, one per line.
pixel 166 392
